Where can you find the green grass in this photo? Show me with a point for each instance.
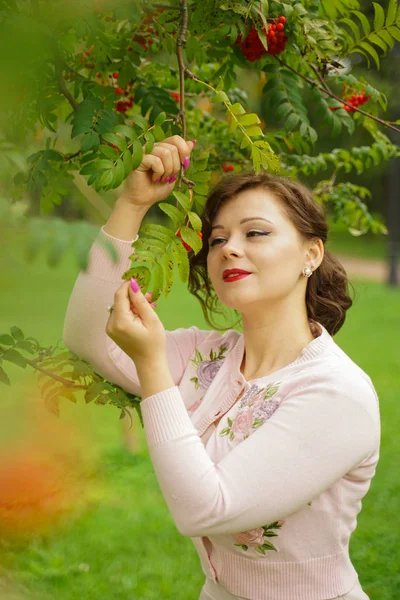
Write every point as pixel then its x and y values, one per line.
pixel 128 539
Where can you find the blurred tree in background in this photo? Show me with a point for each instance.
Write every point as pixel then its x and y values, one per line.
pixel 297 87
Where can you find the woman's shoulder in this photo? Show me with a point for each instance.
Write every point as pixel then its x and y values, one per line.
pixel 338 375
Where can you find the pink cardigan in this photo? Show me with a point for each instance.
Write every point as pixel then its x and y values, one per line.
pixel 269 496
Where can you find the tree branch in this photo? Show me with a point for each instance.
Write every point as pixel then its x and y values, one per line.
pixel 327 91
pixel 181 41
pixel 67 382
pixel 166 6
pixel 61 82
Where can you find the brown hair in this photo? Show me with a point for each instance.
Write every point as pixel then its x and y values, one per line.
pixel 327 296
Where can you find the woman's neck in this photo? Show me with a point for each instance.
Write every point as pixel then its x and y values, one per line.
pixel 272 346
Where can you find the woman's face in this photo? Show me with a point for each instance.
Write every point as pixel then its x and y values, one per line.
pixel 269 247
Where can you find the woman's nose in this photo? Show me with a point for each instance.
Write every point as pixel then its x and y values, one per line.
pixel 230 248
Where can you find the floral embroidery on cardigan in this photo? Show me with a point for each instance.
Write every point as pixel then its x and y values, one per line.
pixel 256 538
pixel 256 406
pixel 206 370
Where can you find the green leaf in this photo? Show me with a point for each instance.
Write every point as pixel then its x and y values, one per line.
pixel 391 12
pixel 137 154
pixel 109 152
pixel 159 231
pixel 17 334
pixel 254 131
pixel 27 346
pixel 379 18
pixel 368 48
pixel 90 140
pixel 220 97
pixel 283 110
pixel 159 134
pixel 119 173
pixel 376 39
pixel 182 260
pixel 195 221
pixel 237 109
pixel 106 178
pixel 395 32
pixel 249 119
pixel 292 121
pixel 13 356
pixel 201 176
pixel 183 200
pixel 127 162
pixel 127 131
pixel 191 238
pixel 89 169
pixel 160 118
pixel 4 377
pixel 364 21
pixel 149 137
pixel 116 140
pixel 353 26
pixel 385 35
pixel 245 142
pixel 158 281
pixel 168 268
pixel 140 121
pixel 6 339
pixel 102 164
pixel 174 213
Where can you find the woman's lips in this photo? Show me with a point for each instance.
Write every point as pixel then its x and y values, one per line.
pixel 231 278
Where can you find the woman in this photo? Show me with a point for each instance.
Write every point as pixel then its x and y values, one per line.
pixel 263 443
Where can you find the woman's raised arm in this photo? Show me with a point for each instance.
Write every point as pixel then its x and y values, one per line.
pixel 87 315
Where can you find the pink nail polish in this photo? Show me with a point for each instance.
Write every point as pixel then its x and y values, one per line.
pixel 186 163
pixel 154 303
pixel 134 285
pixel 157 180
pixel 166 180
pixel 172 179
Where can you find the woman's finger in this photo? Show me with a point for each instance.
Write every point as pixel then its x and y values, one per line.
pixel 121 299
pixel 167 159
pixel 172 153
pixel 153 163
pixel 140 303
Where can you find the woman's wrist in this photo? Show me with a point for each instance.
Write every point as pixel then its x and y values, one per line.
pixel 125 220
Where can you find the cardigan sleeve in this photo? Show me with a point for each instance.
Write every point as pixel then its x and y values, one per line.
pixel 87 315
pixel 316 436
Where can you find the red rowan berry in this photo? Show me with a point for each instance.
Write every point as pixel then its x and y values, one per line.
pixel 282 19
pixel 115 75
pixel 118 91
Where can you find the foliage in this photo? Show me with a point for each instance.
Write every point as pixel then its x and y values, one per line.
pixel 104 81
pixel 61 374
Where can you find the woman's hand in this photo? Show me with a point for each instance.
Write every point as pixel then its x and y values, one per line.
pixel 154 178
pixel 141 337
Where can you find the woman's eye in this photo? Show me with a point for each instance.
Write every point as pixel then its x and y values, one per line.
pixel 249 234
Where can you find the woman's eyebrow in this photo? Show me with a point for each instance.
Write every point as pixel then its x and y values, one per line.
pixel 244 221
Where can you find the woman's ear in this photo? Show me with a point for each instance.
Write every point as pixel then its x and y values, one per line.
pixel 315 253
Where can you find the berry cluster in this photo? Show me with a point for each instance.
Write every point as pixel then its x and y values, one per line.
pixel 185 245
pixel 127 102
pixel 355 100
pixel 252 47
pixel 227 168
pixel 143 37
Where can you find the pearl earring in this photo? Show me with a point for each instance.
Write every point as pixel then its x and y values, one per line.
pixel 307 272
